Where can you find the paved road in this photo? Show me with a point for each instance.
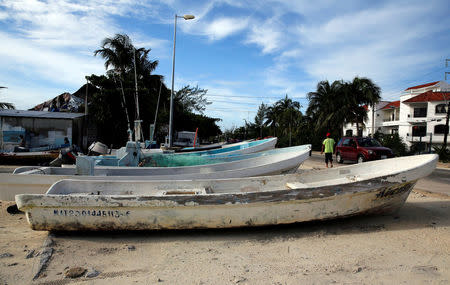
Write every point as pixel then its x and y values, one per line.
pixel 437 182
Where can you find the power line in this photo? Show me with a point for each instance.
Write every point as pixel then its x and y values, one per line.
pixel 247 96
pixel 228 109
pixel 235 102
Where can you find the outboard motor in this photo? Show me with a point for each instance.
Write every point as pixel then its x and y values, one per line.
pixel 97 148
pixel 66 155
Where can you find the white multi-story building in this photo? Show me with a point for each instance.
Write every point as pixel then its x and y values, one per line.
pixel 419 115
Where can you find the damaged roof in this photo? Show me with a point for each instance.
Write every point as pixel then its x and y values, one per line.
pixel 39 114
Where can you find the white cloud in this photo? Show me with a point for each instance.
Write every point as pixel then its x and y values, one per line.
pixel 36 61
pixel 217 29
pixel 268 36
pixel 387 44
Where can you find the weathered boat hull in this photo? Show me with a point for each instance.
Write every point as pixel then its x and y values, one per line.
pixel 97 213
pixel 123 205
pixel 28 158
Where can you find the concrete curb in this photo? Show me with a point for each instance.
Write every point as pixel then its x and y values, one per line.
pixel 443 168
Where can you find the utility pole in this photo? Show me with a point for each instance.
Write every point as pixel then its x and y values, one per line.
pixel 446 65
pixel 444 145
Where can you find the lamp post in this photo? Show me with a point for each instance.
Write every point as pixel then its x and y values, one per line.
pixel 186 17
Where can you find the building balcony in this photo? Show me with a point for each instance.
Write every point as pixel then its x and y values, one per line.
pixel 412 119
pixel 439 138
pixel 390 123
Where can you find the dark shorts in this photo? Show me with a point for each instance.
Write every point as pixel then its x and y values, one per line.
pixel 328 157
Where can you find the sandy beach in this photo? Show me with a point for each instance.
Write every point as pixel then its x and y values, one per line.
pixel 410 247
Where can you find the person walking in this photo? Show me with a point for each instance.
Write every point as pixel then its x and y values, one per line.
pixel 328 146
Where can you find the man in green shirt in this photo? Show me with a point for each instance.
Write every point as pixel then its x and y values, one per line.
pixel 328 146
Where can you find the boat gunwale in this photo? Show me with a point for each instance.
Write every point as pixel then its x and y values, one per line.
pixel 293 195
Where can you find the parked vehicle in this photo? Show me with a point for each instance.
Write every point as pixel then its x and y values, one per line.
pixel 361 149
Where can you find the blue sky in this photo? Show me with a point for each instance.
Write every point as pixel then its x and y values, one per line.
pixel 243 52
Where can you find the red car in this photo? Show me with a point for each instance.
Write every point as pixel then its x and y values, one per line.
pixel 361 149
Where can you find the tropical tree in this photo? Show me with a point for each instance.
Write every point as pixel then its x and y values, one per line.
pixel 284 117
pixel 328 107
pixel 4 105
pixel 332 106
pixel 192 99
pixel 120 54
pixel 115 99
pixel 360 93
pixel 130 70
pixel 260 118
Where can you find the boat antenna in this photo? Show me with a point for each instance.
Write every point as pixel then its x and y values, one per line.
pixel 123 102
pixel 157 106
pixel 137 121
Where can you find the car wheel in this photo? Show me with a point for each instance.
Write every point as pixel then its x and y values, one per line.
pixel 339 158
pixel 361 158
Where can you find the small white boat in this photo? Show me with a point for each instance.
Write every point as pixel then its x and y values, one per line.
pixel 132 155
pixel 276 161
pixel 368 188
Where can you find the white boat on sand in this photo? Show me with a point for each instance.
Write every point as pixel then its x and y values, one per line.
pixel 368 188
pixel 276 161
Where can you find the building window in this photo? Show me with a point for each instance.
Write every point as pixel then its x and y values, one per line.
pixel 439 130
pixel 419 131
pixel 441 109
pixel 394 131
pixel 349 133
pixel 420 112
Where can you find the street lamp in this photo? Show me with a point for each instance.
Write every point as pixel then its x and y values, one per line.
pixel 186 17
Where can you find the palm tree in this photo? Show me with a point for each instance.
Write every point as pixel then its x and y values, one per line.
pixel 328 107
pixel 261 115
pixel 284 116
pixel 4 105
pixel 361 92
pixel 119 53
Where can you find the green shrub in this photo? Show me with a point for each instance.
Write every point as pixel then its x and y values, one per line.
pixel 444 153
pixel 392 141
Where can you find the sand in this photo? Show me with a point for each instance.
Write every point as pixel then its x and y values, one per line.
pixel 410 247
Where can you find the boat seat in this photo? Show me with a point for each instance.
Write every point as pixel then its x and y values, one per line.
pixel 296 185
pixel 190 191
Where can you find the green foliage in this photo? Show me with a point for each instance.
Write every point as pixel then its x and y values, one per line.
pixel 283 119
pixel 418 147
pixel 392 141
pixel 332 106
pixel 192 99
pixel 113 105
pixel 4 105
pixel 443 152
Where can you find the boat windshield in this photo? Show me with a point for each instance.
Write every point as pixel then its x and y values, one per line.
pixel 368 142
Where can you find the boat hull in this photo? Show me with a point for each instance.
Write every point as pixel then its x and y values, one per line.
pixel 37 181
pixel 97 212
